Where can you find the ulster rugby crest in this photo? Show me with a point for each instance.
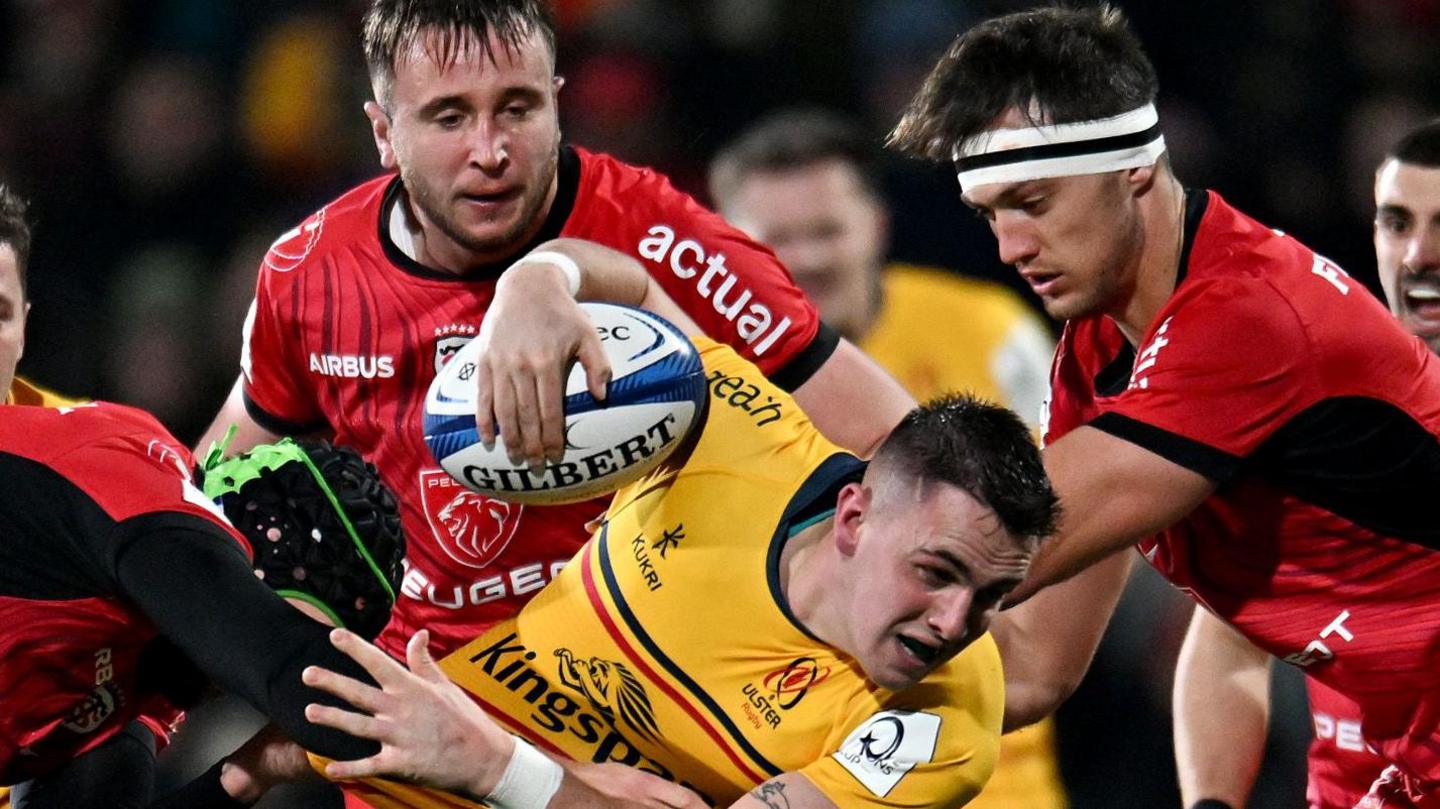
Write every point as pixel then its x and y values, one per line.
pixel 471 528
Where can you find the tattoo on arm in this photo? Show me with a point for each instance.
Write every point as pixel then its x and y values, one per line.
pixel 772 795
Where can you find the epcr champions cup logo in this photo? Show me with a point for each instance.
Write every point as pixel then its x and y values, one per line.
pixel 471 528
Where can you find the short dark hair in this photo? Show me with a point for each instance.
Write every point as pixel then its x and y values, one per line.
pixel 1064 64
pixel 391 26
pixel 982 448
pixel 15 229
pixel 1421 147
pixel 794 139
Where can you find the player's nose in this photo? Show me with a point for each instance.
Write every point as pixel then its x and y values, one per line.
pixel 489 148
pixel 1422 252
pixel 1015 238
pixel 949 614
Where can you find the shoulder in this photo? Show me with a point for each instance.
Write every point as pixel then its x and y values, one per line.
pixel 934 744
pixel 24 392
pixel 350 220
pixel 56 430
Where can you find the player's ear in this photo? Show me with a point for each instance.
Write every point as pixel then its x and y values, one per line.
pixel 851 505
pixel 1141 179
pixel 380 128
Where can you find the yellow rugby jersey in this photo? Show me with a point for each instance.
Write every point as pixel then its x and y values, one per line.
pixel 937 332
pixel 667 645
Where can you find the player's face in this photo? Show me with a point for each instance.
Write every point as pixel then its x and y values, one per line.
pixel 826 228
pixel 1407 245
pixel 1075 240
pixel 476 143
pixel 927 576
pixel 12 318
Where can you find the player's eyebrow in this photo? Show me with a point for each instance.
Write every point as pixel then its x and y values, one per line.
pixel 435 105
pixel 523 93
pixel 1008 198
pixel 1393 210
pixel 947 556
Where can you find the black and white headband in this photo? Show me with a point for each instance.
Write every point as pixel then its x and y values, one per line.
pixel 1126 141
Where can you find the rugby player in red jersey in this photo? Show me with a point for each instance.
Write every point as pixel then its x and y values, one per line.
pixel 1221 700
pixel 359 305
pixel 1222 395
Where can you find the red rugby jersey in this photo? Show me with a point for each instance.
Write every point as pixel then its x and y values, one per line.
pixel 1341 766
pixel 1275 375
pixel 79 483
pixel 347 332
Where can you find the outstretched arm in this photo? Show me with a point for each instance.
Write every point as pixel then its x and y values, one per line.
pixel 1047 643
pixel 1112 493
pixel 1222 708
pixel 431 733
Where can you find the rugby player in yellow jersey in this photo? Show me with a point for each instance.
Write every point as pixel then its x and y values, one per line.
pixel 803 182
pixel 767 621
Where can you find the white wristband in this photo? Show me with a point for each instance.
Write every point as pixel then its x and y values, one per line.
pixel 566 264
pixel 530 780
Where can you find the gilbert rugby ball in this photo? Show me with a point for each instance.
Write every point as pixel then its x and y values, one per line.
pixel 656 396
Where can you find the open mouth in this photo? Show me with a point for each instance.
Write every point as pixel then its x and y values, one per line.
pixel 1423 301
pixel 1041 282
pixel 923 652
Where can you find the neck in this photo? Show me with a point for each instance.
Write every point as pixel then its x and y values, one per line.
pixel 1162 241
pixel 808 576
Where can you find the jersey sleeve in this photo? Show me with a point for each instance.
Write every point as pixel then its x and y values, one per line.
pixel 81 508
pixel 384 793
pixel 1218 377
pixel 934 745
pixel 733 287
pixel 277 391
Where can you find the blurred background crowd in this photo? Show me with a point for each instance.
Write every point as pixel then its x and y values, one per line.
pixel 165 143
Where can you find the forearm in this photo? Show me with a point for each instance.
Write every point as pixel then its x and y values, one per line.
pixel 1047 643
pixel 202 596
pixel 1112 494
pixel 1222 708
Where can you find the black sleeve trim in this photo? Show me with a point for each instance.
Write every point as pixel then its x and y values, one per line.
pixel 803 365
pixel 277 425
pixel 204 597
pixel 1217 465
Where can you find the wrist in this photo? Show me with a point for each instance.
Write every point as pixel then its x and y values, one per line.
pixel 499 749
pixel 529 781
pixel 560 267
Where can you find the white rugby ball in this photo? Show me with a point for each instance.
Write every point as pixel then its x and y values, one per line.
pixel 656 395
